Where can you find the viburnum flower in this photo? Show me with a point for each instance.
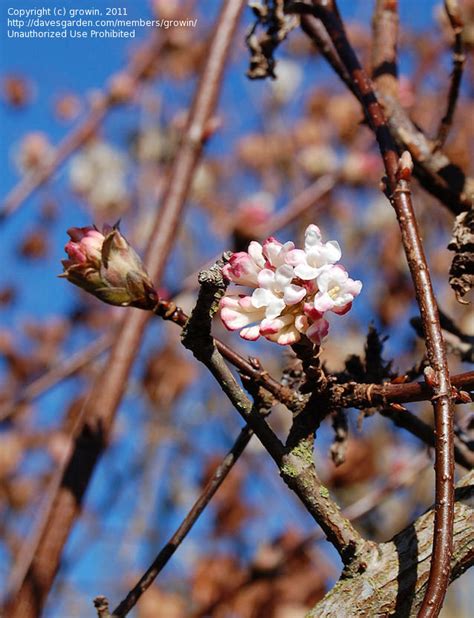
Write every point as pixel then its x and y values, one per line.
pixel 292 289
pixel 104 264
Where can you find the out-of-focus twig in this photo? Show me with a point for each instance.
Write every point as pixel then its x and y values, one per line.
pixel 110 385
pixel 188 522
pixel 60 371
pixel 384 46
pixel 453 12
pixel 405 419
pixel 134 73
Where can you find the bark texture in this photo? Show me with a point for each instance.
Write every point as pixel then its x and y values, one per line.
pixel 397 572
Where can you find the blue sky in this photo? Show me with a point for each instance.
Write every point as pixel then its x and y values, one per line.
pixel 56 66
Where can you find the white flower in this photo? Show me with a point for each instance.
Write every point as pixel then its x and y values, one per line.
pixel 292 289
pixel 336 290
pixel 276 291
pixel 316 256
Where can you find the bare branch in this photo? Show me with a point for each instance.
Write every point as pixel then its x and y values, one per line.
pixel 453 12
pixel 398 176
pixel 397 579
pixel 178 537
pixel 295 462
pixel 110 384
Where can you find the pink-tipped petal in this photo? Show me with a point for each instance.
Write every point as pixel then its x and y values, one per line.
pixel 250 333
pixel 342 310
pixel 241 269
pixel 318 331
pixel 312 313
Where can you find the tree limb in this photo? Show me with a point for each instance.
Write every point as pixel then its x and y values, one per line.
pixel 396 579
pixel 105 396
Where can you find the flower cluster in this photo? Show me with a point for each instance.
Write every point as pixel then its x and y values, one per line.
pixel 292 289
pixel 105 265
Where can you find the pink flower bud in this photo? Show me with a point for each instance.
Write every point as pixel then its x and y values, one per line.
pixel 105 265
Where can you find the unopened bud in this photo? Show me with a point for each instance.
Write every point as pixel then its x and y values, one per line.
pixel 405 166
pixel 104 264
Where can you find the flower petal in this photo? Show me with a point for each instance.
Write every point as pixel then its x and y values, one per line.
pixel 283 276
pixel 255 251
pixel 295 257
pixel 306 272
pixel 312 237
pixel 261 297
pixel 318 331
pixel 250 333
pixel 293 294
pixel 235 315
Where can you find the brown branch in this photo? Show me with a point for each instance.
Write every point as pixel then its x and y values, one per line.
pixel 398 176
pixel 178 537
pixel 62 370
pixel 358 395
pixel 433 169
pixel 384 46
pixel 358 509
pixel 453 12
pixel 295 464
pixel 394 584
pixel 108 389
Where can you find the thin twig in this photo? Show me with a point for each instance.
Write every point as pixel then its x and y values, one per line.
pixel 453 12
pixel 109 386
pixel 188 522
pixel 433 169
pixel 353 394
pixel 399 191
pixel 358 509
pixel 296 465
